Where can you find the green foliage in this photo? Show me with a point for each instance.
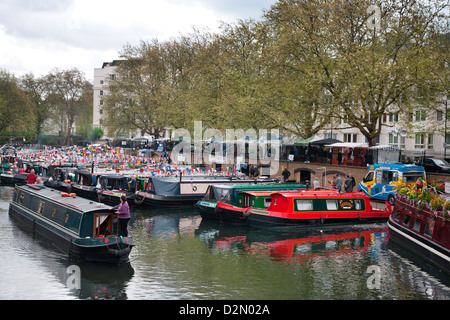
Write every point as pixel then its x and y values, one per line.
pixel 303 64
pixel 95 134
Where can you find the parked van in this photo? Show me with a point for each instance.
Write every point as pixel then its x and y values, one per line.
pixel 383 179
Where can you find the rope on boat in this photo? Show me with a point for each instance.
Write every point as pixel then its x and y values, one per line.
pixel 139 203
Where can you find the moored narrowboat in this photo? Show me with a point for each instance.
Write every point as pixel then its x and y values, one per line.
pixel 85 184
pixel 422 230
pixel 83 228
pixel 230 194
pixel 308 208
pixel 112 187
pixel 11 179
pixel 174 191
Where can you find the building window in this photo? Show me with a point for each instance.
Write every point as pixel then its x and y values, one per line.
pixel 439 116
pixel 430 141
pixel 350 137
pixel 424 141
pixel 393 117
pixel 393 140
pixel 101 92
pixel 421 115
pixel 420 141
pixel 101 81
pixel 101 102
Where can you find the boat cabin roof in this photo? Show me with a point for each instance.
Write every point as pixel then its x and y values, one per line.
pixel 259 193
pixel 310 193
pixel 78 203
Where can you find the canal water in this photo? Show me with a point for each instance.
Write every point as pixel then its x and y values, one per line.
pixel 180 256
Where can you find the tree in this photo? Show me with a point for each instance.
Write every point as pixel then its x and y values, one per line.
pixel 137 99
pixel 16 108
pixel 363 71
pixel 37 91
pixel 69 94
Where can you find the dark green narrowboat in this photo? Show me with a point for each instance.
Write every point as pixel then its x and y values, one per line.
pixel 83 228
pixel 229 193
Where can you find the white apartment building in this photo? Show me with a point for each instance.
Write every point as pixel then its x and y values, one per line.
pixel 101 77
pixel 421 134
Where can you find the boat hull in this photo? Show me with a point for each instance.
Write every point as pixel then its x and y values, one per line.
pixel 113 250
pixel 420 246
pixel 112 198
pixel 150 199
pixel 207 209
pixel 87 192
pixel 263 220
pixel 231 214
pixel 421 232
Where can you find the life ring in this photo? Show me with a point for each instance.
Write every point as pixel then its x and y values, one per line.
pixel 68 194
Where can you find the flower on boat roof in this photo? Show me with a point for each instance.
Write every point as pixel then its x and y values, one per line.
pixel 424 196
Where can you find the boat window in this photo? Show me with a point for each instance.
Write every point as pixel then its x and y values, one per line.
pixel 267 202
pixel 304 205
pixel 332 205
pixel 429 228
pixel 40 208
pixel 398 214
pixel 21 197
pixel 407 218
pixel 209 194
pixel 417 224
pixel 246 201
pixel 357 204
pixel 103 225
pixel 225 197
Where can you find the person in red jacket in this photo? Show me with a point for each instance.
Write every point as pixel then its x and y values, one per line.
pixel 123 211
pixel 31 177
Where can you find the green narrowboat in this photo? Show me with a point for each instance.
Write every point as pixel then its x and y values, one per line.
pixel 83 228
pixel 229 194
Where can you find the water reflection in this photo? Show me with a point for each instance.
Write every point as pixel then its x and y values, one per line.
pixel 96 281
pixel 180 256
pixel 329 263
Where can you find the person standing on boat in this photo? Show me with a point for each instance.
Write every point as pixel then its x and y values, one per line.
pixel 123 212
pixel 286 174
pixel 31 177
pixel 349 184
pixel 316 183
pixel 338 183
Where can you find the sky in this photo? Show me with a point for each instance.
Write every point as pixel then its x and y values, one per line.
pixel 37 36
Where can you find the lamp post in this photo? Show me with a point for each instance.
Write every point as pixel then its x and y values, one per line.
pixel 445 131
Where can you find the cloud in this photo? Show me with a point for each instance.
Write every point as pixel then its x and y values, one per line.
pixel 39 35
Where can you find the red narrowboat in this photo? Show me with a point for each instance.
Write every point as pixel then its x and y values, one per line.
pixel 308 208
pixel 421 230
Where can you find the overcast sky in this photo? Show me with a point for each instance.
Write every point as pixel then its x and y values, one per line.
pixel 40 35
